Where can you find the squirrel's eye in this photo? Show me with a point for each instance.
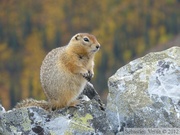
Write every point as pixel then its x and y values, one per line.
pixel 86 39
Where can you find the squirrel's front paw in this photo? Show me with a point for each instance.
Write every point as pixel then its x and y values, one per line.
pixel 88 75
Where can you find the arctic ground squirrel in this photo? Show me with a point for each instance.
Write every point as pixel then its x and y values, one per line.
pixel 65 71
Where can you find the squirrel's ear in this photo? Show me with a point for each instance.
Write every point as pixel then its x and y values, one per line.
pixel 77 36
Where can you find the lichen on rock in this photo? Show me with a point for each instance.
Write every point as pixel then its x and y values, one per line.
pixel 87 118
pixel 146 92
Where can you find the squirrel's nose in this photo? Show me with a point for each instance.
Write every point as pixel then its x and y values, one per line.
pixel 97 46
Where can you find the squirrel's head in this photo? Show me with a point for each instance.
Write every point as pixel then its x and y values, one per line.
pixel 86 41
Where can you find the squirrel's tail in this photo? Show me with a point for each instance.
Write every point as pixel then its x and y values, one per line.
pixel 32 102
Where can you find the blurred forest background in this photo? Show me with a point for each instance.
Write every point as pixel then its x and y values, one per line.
pixel 126 29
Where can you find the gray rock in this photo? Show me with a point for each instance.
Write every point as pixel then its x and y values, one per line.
pixel 146 92
pixel 2 110
pixel 87 118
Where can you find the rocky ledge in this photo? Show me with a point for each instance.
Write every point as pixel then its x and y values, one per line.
pixel 87 118
pixel 143 94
